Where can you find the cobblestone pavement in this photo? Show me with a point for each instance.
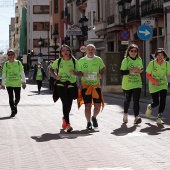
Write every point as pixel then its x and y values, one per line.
pixel 34 140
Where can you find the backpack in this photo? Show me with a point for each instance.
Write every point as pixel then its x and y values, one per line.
pixel 59 61
pixel 18 63
pixel 154 62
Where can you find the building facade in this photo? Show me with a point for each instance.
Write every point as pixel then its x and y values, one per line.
pixel 99 22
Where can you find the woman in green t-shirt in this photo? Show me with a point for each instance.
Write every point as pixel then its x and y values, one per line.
pixel 13 77
pixel 131 68
pixel 157 72
pixel 65 86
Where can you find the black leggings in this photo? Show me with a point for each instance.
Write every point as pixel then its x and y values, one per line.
pixel 51 83
pixel 159 95
pixel 39 83
pixel 17 91
pixel 136 96
pixel 66 95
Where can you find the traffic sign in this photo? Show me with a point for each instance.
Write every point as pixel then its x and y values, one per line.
pixel 144 32
pixel 148 21
pixel 124 42
pixel 82 49
pixel 124 35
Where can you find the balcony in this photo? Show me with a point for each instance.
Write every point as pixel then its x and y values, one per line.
pixel 110 20
pixel 133 15
pixel 150 9
pixel 80 2
pixel 69 1
pixel 100 28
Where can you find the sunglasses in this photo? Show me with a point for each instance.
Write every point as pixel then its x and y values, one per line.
pixel 10 54
pixel 133 51
pixel 65 50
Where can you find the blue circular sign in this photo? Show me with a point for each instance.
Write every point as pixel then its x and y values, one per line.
pixel 144 32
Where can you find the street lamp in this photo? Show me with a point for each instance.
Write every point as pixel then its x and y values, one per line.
pixel 40 41
pixel 55 37
pixel 83 23
pixel 124 7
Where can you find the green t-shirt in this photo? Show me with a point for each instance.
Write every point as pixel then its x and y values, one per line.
pixel 132 80
pixel 64 67
pixel 92 67
pixel 159 73
pixel 13 73
pixel 39 74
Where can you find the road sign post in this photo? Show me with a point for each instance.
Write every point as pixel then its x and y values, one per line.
pixel 124 36
pixel 144 32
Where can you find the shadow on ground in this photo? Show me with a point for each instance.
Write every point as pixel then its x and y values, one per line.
pixel 154 129
pixel 75 134
pixel 124 130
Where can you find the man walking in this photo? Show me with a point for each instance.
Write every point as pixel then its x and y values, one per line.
pixel 92 68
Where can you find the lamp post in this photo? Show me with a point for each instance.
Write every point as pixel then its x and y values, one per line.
pixel 40 41
pixel 124 7
pixel 55 37
pixel 83 23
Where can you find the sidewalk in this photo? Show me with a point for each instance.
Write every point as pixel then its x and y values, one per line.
pixel 34 140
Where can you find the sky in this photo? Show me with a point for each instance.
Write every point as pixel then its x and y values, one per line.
pixel 7 10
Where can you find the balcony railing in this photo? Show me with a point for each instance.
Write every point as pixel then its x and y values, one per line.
pixel 79 2
pixel 110 20
pixel 149 8
pixel 69 1
pixel 133 15
pixel 100 28
pixel 166 1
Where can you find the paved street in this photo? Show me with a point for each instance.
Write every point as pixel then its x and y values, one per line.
pixel 34 140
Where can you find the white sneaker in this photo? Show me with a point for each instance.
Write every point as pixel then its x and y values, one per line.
pixel 125 118
pixel 148 111
pixel 137 120
pixel 159 121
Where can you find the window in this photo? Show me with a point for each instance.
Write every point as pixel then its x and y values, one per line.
pixel 40 26
pixel 50 7
pixel 16 19
pixel 55 6
pixel 36 45
pixel 16 9
pixel 17 30
pixel 41 9
pixel 91 19
pixel 111 46
pixel 56 27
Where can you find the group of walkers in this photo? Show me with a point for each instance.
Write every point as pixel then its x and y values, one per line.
pixel 63 72
pixel 90 68
pixel 156 72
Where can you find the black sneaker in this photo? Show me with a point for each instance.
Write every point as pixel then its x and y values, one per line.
pixel 15 109
pixel 13 114
pixel 89 126
pixel 94 120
